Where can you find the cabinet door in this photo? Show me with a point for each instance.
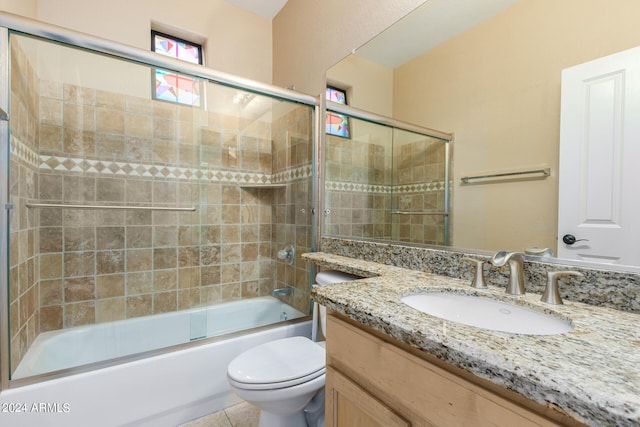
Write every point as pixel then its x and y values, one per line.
pixel 423 393
pixel 349 405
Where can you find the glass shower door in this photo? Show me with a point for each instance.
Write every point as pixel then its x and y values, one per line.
pixel 134 217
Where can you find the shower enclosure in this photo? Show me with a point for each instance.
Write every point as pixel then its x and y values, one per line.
pixel 387 180
pixel 121 207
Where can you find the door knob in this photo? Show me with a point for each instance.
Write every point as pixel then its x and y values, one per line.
pixel 570 239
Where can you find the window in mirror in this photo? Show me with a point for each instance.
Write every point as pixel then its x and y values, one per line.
pixel 170 86
pixel 337 124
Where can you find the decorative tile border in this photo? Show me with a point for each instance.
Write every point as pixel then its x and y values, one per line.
pixel 141 170
pixel 21 151
pixel 46 163
pixel 423 187
pixel 384 189
pixel 298 172
pixel 355 187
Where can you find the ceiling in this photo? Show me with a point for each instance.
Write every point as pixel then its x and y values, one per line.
pixel 267 8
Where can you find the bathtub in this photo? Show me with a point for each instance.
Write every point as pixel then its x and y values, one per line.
pixel 165 389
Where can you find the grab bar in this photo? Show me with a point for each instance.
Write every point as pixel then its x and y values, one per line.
pixel 140 208
pixel 545 172
pixel 419 213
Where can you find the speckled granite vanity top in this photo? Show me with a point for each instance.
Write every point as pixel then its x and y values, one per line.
pixel 592 372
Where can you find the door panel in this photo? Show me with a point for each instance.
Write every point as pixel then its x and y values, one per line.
pixel 600 160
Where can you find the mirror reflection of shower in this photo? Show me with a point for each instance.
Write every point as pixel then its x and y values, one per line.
pixel 387 181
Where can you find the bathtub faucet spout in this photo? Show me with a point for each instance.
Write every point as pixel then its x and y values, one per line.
pixel 281 292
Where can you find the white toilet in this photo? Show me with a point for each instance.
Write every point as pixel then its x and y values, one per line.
pixel 282 376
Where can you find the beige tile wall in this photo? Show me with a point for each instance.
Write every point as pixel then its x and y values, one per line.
pixel 419 187
pixel 359 192
pixel 73 267
pixel 292 217
pixel 24 315
pixel 102 265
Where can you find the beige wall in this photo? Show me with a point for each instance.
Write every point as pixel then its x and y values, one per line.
pixel 296 48
pixel 27 8
pixel 371 90
pixel 311 36
pixel 497 86
pixel 237 41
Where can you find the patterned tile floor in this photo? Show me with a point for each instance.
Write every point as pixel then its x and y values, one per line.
pixel 240 415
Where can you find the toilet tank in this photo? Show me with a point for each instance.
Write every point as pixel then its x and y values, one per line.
pixel 323 278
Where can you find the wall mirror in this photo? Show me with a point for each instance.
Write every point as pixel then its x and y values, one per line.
pixel 490 72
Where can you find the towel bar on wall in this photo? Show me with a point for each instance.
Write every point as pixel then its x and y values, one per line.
pixel 141 208
pixel 545 173
pixel 419 213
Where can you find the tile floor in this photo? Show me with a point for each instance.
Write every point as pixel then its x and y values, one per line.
pixel 241 415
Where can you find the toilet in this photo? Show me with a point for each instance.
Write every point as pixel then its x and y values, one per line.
pixel 281 377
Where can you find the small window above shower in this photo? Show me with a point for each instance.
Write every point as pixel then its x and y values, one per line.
pixel 171 86
pixel 337 124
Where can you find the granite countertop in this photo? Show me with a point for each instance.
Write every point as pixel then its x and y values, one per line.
pixel 592 373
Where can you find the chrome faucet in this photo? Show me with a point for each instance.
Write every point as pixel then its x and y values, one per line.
pixel 515 260
pixel 282 292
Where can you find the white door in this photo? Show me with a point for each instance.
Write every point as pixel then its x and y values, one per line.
pixel 599 190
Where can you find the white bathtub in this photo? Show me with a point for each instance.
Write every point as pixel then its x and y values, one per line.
pixel 162 390
pixel 56 350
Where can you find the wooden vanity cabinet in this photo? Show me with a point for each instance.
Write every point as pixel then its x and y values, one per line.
pixel 372 381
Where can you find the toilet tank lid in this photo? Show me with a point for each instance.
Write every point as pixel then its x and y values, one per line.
pixel 333 276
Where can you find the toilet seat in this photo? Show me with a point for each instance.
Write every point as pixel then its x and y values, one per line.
pixel 277 364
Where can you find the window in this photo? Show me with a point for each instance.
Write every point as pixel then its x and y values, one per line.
pixel 337 124
pixel 170 86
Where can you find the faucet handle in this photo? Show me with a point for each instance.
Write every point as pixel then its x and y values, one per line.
pixel 551 294
pixel 478 275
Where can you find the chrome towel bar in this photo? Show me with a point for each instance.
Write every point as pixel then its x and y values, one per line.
pixel 545 173
pixel 419 213
pixel 139 208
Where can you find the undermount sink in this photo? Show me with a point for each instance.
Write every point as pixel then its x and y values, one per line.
pixel 487 313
